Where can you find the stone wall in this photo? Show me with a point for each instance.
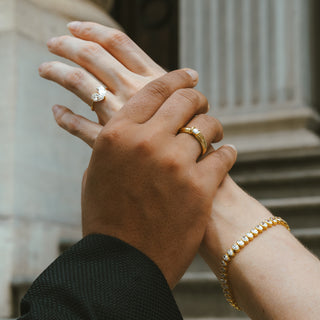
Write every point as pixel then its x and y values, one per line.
pixel 41 166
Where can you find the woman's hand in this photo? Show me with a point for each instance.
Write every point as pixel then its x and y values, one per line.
pixel 144 183
pixel 107 56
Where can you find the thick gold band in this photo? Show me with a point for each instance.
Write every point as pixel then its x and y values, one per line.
pixel 198 135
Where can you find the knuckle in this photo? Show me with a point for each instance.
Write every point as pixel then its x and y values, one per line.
pixel 68 121
pixel 181 76
pixel 110 135
pixel 88 50
pixel 116 38
pixel 224 159
pixel 74 78
pixel 172 164
pixel 73 125
pixel 190 95
pixel 198 188
pixel 61 40
pixel 159 88
pixel 219 129
pixel 144 147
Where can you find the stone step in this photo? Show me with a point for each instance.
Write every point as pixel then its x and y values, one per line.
pixel 277 185
pixel 310 238
pixel 199 295
pixel 299 212
pixel 275 178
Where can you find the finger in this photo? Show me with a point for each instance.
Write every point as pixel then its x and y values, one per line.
pixel 149 99
pixel 82 84
pixel 119 45
pixel 216 165
pixel 209 127
pixel 93 58
pixel 180 108
pixel 77 125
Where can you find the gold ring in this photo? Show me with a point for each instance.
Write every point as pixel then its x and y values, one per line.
pixel 98 96
pixel 198 135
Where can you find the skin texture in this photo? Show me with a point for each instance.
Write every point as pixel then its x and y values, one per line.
pixel 274 277
pixel 162 202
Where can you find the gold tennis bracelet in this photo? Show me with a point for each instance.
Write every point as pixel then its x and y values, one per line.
pixel 236 247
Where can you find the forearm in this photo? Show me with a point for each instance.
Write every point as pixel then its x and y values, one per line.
pixel 274 276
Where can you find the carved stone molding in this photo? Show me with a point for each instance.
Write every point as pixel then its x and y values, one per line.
pixel 42 19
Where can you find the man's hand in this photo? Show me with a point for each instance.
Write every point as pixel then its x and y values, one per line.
pixel 144 183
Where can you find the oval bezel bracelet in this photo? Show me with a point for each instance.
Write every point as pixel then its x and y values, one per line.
pixel 236 247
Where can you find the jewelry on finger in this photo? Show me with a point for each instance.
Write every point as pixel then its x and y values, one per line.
pixel 198 135
pixel 98 96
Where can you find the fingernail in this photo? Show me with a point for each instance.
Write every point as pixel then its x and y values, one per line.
pixel 42 66
pixel 231 146
pixel 55 109
pixel 51 41
pixel 73 24
pixel 194 74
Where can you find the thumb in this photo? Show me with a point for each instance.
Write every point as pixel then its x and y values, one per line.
pixel 216 165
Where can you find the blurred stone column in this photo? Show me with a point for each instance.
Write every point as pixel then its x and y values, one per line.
pixel 40 165
pixel 253 57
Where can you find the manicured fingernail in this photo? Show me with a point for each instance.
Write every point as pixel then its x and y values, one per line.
pixel 55 109
pixel 231 146
pixel 194 74
pixel 73 24
pixel 42 66
pixel 51 41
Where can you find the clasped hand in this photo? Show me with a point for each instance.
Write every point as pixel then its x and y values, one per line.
pixel 146 183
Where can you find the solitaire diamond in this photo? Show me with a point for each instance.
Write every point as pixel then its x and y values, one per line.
pixel 102 90
pixel 195 130
pixel 100 94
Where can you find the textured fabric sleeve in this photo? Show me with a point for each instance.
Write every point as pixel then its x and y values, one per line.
pixel 100 277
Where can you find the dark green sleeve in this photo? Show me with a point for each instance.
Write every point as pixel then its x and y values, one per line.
pixel 100 277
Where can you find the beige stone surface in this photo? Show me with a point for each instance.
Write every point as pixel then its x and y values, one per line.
pixel 7 241
pixel 41 166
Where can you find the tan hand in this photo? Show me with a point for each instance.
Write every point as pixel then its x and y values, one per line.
pixel 144 184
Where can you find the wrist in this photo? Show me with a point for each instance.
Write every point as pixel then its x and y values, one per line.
pixel 234 213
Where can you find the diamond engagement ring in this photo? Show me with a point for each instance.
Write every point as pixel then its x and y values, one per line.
pixel 198 135
pixel 98 96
